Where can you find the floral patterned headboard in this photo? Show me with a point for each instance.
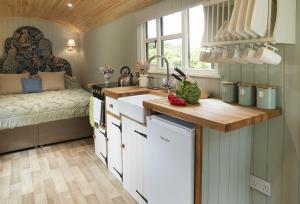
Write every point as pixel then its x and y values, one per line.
pixel 29 51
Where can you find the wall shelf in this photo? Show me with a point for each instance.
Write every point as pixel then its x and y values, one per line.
pixel 281 23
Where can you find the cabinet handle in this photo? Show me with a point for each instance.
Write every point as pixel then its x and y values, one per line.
pixel 143 197
pixel 142 134
pixel 111 105
pixel 104 157
pixel 118 126
pixel 123 146
pixel 120 174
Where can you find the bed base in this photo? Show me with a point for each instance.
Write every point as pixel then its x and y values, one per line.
pixel 44 133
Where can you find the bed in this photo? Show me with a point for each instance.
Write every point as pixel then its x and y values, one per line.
pixel 36 119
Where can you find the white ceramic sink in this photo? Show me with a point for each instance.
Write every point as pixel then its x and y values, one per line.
pixel 132 106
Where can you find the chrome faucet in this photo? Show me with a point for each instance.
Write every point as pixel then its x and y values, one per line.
pixel 167 85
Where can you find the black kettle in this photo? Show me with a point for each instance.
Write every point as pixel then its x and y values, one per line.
pixel 126 76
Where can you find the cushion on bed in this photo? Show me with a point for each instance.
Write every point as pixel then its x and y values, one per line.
pixel 11 83
pixel 52 81
pixel 32 85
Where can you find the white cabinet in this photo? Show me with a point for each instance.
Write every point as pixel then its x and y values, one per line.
pixel 101 144
pixel 114 147
pixel 134 159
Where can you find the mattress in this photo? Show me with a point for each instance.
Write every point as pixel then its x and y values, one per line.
pixel 20 110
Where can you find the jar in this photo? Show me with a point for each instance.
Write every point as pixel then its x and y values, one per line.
pixel 229 91
pixel 266 97
pixel 247 94
pixel 143 81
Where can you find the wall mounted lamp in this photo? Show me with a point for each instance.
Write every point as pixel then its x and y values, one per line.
pixel 71 44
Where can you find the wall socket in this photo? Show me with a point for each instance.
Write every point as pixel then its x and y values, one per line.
pixel 260 185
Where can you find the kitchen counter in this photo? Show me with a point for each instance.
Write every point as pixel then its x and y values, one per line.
pixel 211 113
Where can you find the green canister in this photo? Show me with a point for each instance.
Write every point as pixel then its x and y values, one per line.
pixel 229 91
pixel 266 97
pixel 247 94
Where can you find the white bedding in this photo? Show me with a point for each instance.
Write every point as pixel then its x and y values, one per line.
pixel 20 110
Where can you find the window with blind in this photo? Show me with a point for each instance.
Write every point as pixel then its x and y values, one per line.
pixel 178 37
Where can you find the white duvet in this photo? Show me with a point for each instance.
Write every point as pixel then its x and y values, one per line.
pixel 20 110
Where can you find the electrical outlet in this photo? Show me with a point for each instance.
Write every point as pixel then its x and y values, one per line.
pixel 260 185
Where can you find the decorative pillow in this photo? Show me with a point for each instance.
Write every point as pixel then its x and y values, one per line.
pixel 33 85
pixel 52 81
pixel 11 83
pixel 71 83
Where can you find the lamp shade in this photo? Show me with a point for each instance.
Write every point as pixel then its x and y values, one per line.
pixel 71 43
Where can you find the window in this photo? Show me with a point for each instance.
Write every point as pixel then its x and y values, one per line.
pixel 178 37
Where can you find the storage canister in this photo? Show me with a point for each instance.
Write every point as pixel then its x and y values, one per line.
pixel 266 97
pixel 229 91
pixel 247 94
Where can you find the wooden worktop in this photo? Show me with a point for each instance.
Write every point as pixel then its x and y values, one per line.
pixel 210 113
pixel 124 91
pixel 214 113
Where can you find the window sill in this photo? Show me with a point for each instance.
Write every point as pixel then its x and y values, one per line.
pixel 199 75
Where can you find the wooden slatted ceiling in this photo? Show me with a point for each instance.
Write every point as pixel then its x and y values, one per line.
pixel 84 15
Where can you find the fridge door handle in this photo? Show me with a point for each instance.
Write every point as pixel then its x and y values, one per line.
pixel 143 197
pixel 165 139
pixel 142 134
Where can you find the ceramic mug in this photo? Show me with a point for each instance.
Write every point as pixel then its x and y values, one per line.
pixel 268 56
pixel 236 56
pixel 215 55
pixel 224 58
pixel 250 56
pixel 204 56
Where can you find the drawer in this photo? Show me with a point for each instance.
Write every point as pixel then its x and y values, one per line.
pixel 112 105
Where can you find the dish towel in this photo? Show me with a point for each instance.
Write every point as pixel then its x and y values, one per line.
pixel 91 112
pixel 98 104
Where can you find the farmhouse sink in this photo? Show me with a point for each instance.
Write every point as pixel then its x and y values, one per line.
pixel 132 106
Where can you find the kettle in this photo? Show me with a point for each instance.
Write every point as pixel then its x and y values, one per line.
pixel 125 78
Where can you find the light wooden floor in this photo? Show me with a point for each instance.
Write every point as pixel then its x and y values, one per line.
pixel 63 173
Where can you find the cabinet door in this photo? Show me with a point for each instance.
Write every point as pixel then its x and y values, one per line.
pixel 141 189
pixel 101 144
pixel 134 138
pixel 114 147
pixel 129 157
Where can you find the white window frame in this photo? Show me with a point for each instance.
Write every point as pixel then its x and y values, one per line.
pixel 184 35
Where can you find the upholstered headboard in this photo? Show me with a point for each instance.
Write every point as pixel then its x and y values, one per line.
pixel 29 51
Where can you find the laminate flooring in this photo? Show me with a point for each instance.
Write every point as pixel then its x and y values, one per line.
pixel 64 173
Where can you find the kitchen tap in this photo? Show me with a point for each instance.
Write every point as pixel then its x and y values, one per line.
pixel 167 85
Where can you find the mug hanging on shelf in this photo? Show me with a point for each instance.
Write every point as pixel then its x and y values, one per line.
pixel 236 56
pixel 268 56
pixel 250 56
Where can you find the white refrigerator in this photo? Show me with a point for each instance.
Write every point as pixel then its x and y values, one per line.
pixel 170 160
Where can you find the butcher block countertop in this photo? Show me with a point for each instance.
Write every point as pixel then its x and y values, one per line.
pixel 210 113
pixel 119 92
pixel 214 113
